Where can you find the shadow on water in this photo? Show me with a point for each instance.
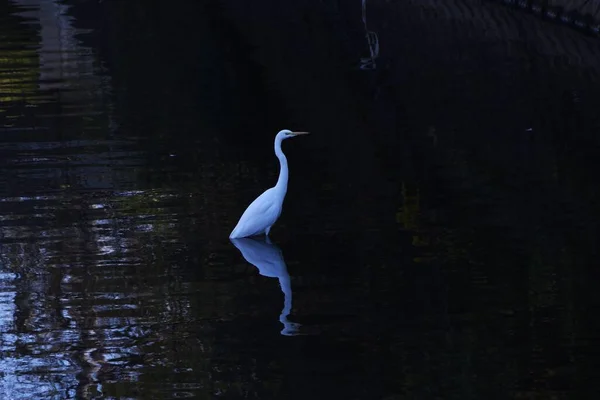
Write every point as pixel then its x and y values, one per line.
pixel 439 229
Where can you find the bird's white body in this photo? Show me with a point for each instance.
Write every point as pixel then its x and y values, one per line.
pixel 262 213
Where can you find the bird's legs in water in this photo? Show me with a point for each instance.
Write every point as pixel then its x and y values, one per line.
pixel 267 239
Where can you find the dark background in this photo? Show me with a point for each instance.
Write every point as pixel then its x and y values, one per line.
pixel 440 227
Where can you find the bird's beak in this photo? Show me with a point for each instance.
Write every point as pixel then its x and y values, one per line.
pixel 300 133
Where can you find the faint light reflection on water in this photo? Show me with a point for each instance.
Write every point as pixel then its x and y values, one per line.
pixel 458 269
pixel 70 240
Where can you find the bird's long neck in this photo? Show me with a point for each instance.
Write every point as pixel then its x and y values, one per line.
pixel 282 181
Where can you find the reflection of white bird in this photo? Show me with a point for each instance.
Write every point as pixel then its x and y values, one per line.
pixel 262 213
pixel 268 258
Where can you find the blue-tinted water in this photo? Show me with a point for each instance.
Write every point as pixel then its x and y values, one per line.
pixel 438 238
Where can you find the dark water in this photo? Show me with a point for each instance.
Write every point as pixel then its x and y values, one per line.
pixel 439 238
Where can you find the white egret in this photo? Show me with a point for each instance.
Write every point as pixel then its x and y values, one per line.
pixel 262 213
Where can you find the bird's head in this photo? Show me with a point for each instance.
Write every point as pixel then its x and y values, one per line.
pixel 286 134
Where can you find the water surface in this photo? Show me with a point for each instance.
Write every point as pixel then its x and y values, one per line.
pixel 438 239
